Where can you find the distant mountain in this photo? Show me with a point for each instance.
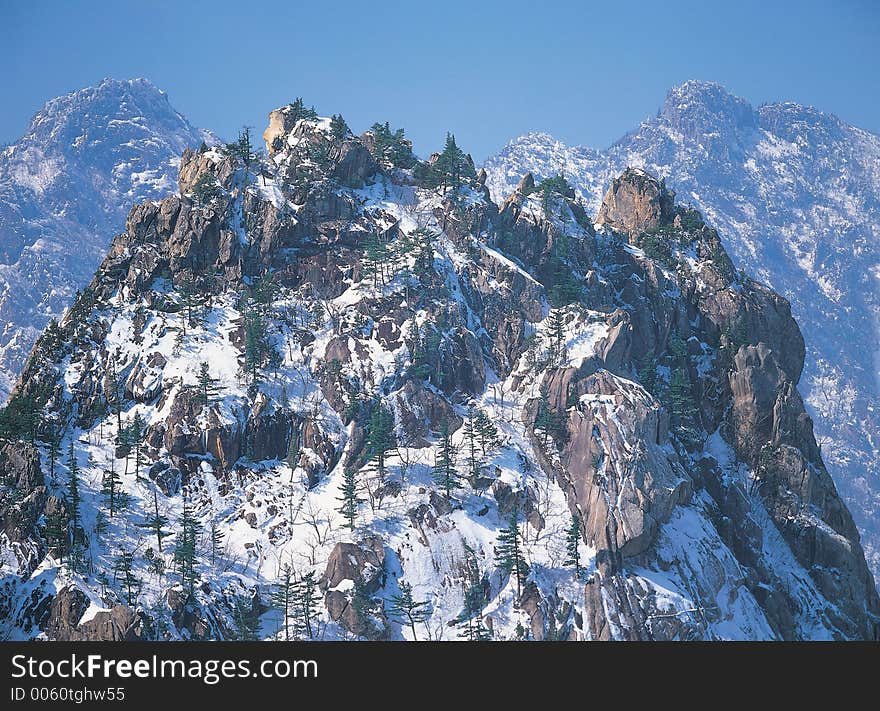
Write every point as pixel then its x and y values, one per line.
pixel 795 194
pixel 65 189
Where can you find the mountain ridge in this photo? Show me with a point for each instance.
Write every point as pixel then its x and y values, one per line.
pixel 84 160
pixel 794 191
pixel 345 376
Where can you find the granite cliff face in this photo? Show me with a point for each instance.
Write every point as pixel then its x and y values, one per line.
pixel 794 193
pixel 349 368
pixel 65 189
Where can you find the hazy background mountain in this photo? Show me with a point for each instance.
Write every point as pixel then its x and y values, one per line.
pixel 65 189
pixel 795 194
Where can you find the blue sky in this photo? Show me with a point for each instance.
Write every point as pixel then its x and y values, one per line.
pixel 488 71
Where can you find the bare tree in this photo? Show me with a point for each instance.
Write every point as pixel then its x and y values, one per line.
pixel 318 521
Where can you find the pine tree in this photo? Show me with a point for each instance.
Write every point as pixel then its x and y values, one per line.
pixel 137 430
pixel 677 346
pixel 735 334
pixel 349 498
pixel 215 538
pixel 555 185
pixel 364 606
pixel 423 269
pixel 508 552
pixel 556 335
pixel 99 413
pixel 245 618
pixel 20 418
pixel 338 127
pixel 424 345
pixel 123 571
pixel 471 618
pixel 682 408
pixel 451 166
pixel 487 432
pixel 648 372
pixel 243 150
pixel 53 449
pixel 55 532
pixel 115 397
pixel 73 496
pixel 185 550
pixel 190 302
pixel 298 110
pixel 402 249
pixel 52 340
pixel 564 287
pixel 206 189
pixel 207 386
pixel 156 522
pixel 101 523
pixel 572 544
pixel 264 290
pixel 471 443
pixel 256 344
pixel 390 147
pixel 406 610
pixel 283 598
pixel 124 445
pixel 376 258
pixel 111 485
pixel 444 472
pixel 380 437
pixel 306 599
pixel 546 420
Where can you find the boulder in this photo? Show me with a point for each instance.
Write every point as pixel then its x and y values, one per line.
pixel 350 563
pixel 354 164
pixel 117 624
pixel 635 202
pixel 364 562
pixel 623 492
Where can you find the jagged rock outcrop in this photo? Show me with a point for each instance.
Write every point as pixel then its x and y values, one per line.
pixel 636 202
pixel 353 565
pixel 25 502
pixel 621 517
pixel 64 622
pixel 777 181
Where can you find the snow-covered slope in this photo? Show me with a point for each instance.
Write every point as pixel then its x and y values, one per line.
pixel 795 194
pixel 65 189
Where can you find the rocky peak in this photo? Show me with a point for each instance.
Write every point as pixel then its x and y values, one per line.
pixel 90 126
pixel 636 201
pixel 392 340
pixel 696 108
pixel 288 127
pixel 66 187
pixel 281 123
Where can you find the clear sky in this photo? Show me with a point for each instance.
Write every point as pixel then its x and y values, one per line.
pixel 488 71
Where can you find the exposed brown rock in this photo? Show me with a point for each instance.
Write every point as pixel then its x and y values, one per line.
pixel 636 201
pixel 118 624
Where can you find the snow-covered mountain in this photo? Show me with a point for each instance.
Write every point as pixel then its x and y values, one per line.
pixel 340 393
pixel 795 194
pixel 65 189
